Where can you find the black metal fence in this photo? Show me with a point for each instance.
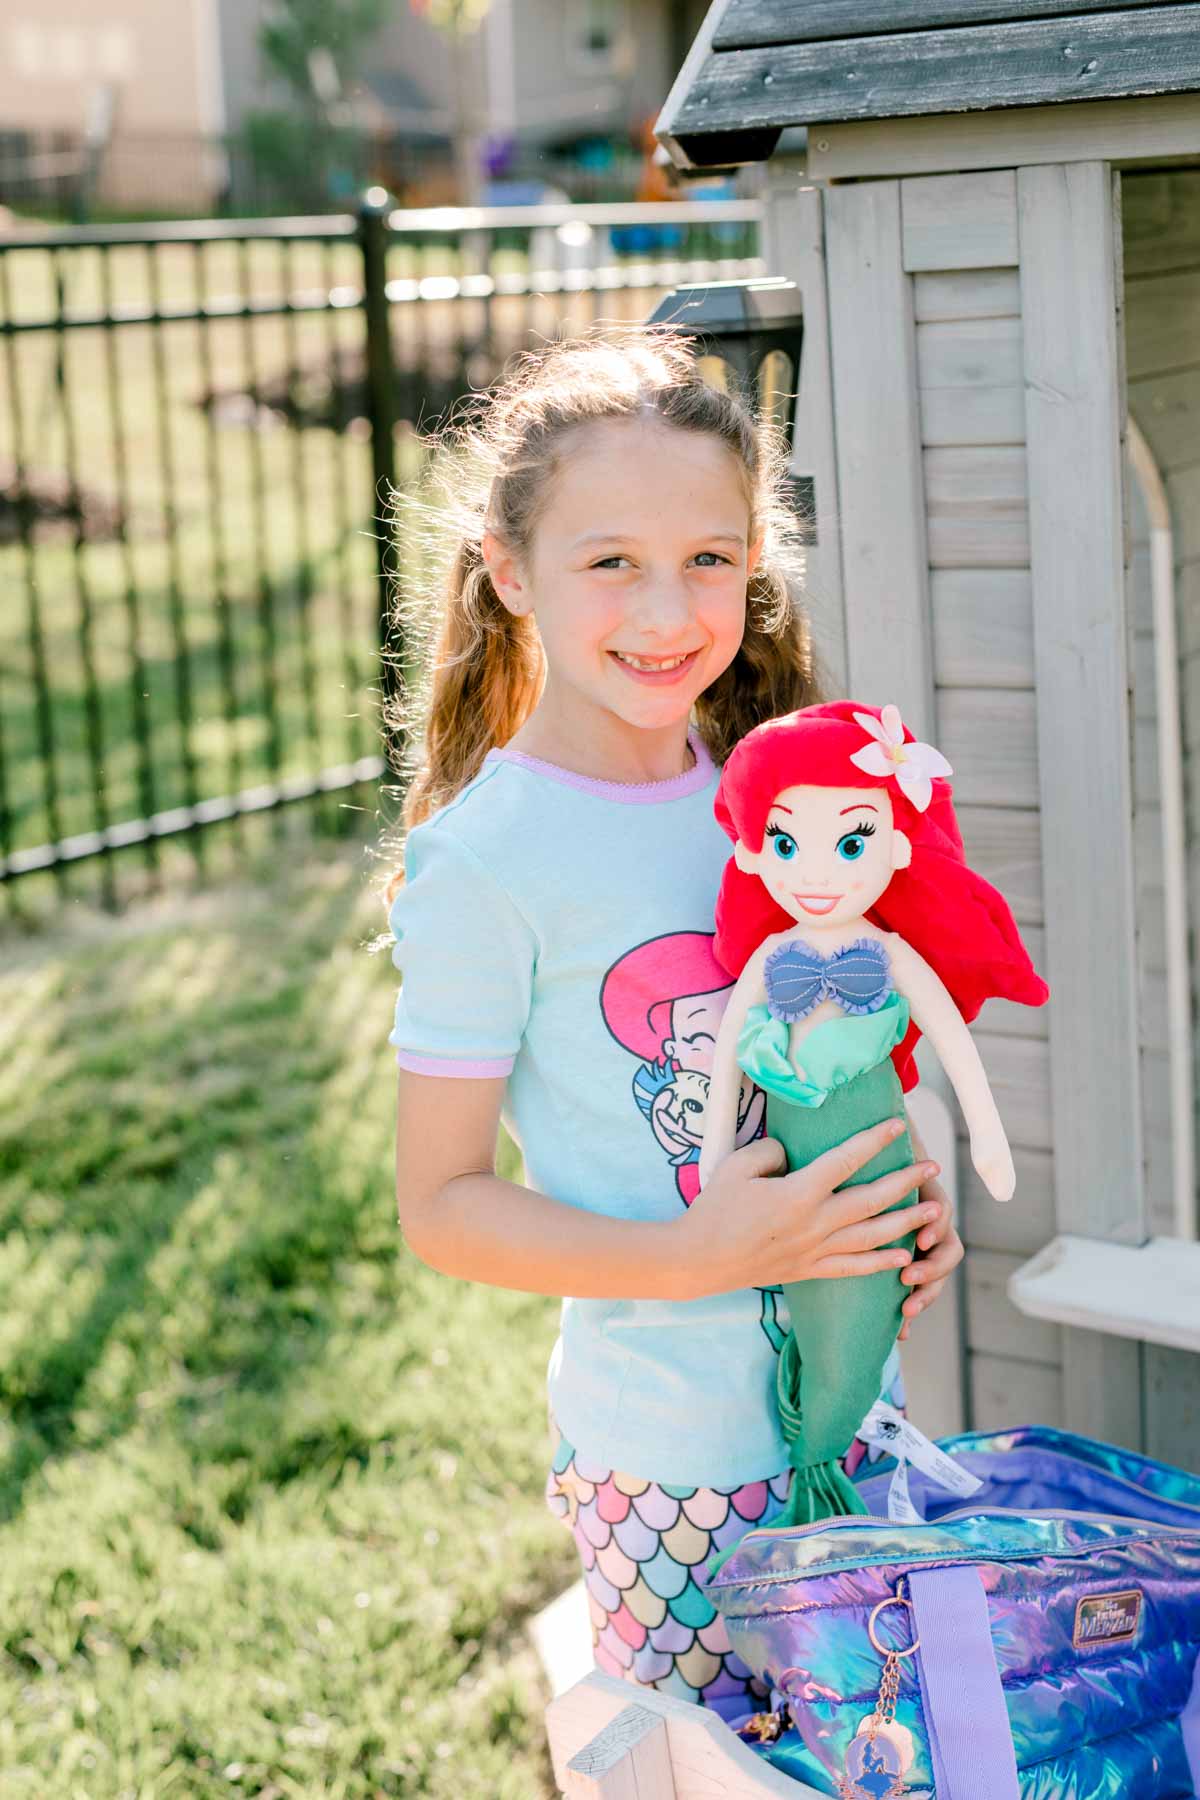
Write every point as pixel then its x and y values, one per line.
pixel 198 424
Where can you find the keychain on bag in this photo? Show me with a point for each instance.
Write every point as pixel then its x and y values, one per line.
pixel 881 1752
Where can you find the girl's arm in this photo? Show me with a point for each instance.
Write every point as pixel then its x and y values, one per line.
pixel 752 1228
pixel 936 1015
pixel 725 1085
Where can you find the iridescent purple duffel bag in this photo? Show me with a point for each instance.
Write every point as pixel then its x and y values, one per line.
pixel 1039 1642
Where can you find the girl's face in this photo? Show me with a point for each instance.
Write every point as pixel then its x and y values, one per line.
pixel 638 572
pixel 827 853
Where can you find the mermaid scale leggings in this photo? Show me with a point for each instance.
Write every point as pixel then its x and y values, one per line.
pixel 644 1546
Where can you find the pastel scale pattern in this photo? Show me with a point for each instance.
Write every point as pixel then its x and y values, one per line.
pixel 644 1546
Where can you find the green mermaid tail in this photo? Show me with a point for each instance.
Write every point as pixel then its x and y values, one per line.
pixel 831 1368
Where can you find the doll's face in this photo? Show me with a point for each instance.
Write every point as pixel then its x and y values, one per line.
pixel 827 853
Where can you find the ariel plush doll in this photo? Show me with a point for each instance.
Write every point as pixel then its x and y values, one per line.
pixel 852 922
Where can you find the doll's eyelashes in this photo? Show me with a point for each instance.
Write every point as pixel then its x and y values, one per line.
pixel 785 846
pixel 851 846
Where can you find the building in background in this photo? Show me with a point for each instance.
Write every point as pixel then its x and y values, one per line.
pixel 172 106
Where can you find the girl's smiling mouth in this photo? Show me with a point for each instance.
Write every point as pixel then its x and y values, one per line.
pixel 659 671
pixel 817 903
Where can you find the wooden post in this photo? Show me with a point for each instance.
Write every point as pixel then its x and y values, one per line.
pixel 885 561
pixel 628 1760
pixel 1074 406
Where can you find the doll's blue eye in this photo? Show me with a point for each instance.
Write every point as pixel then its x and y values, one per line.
pixel 851 847
pixel 785 847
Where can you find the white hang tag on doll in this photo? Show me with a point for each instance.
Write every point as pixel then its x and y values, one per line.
pixel 901 1510
pixel 893 1433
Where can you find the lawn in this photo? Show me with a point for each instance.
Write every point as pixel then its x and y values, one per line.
pixel 269 1488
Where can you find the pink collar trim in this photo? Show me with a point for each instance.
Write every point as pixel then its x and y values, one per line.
pixel 625 793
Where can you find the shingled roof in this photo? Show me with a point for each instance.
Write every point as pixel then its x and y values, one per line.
pixel 759 65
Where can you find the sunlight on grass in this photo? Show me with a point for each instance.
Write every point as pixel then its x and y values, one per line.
pixel 269 1487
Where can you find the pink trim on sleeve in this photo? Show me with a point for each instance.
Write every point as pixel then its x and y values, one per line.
pixel 456 1067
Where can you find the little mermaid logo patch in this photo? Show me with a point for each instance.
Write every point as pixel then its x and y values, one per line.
pixel 1107 1619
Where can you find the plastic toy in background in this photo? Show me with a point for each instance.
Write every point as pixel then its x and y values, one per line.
pixel 853 924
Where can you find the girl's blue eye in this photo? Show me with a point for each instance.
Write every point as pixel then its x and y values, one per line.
pixel 716 560
pixel 785 847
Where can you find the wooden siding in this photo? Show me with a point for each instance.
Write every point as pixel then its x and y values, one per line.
pixel 884 555
pixel 1069 293
pixel 1149 894
pixel 794 239
pixel 1145 130
pixel 969 354
pixel 1161 216
pixel 953 636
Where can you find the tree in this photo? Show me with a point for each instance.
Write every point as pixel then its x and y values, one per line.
pixel 457 19
pixel 311 151
pixel 299 30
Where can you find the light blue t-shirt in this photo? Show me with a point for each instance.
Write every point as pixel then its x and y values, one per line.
pixel 558 931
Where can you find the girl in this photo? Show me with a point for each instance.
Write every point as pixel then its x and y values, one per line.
pixel 618 612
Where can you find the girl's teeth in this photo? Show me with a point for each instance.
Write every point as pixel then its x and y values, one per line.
pixel 644 663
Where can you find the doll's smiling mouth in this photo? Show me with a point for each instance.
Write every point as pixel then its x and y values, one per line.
pixel 817 903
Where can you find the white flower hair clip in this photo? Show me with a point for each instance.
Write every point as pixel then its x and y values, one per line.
pixel 914 765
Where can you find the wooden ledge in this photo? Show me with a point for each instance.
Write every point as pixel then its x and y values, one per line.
pixel 611 1740
pixel 1149 1291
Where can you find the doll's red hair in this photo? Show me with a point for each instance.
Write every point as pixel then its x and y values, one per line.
pixel 951 916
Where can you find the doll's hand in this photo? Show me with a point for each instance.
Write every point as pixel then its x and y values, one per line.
pixel 938 1253
pixel 993 1162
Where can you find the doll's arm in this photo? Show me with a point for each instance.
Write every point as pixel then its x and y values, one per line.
pixel 936 1015
pixel 725 1084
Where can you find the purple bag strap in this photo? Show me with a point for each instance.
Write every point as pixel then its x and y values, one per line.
pixel 970 1738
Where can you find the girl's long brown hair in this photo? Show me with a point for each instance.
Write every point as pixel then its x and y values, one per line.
pixel 479 670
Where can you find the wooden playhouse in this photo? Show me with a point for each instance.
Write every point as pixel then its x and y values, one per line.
pixel 994 227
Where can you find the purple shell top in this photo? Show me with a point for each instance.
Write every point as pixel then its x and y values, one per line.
pixel 858 977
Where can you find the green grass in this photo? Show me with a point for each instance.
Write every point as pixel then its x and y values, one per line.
pixel 270 1515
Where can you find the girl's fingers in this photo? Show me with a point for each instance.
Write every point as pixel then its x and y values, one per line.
pixel 865 1262
pixel 874 1233
pixel 931 1191
pixel 835 1166
pixel 939 1263
pixel 917 1303
pixel 762 1156
pixel 871 1197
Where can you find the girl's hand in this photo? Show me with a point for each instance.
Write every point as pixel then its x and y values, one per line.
pixel 752 1226
pixel 939 1252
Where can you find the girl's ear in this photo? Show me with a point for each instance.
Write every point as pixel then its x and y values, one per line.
pixel 505 572
pixel 901 850
pixel 744 858
pixel 752 555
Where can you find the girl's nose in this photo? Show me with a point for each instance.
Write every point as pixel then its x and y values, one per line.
pixel 661 607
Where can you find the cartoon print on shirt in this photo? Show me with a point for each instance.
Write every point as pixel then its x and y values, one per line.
pixel 662 1001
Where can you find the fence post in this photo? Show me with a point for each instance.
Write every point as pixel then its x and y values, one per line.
pixel 381 415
